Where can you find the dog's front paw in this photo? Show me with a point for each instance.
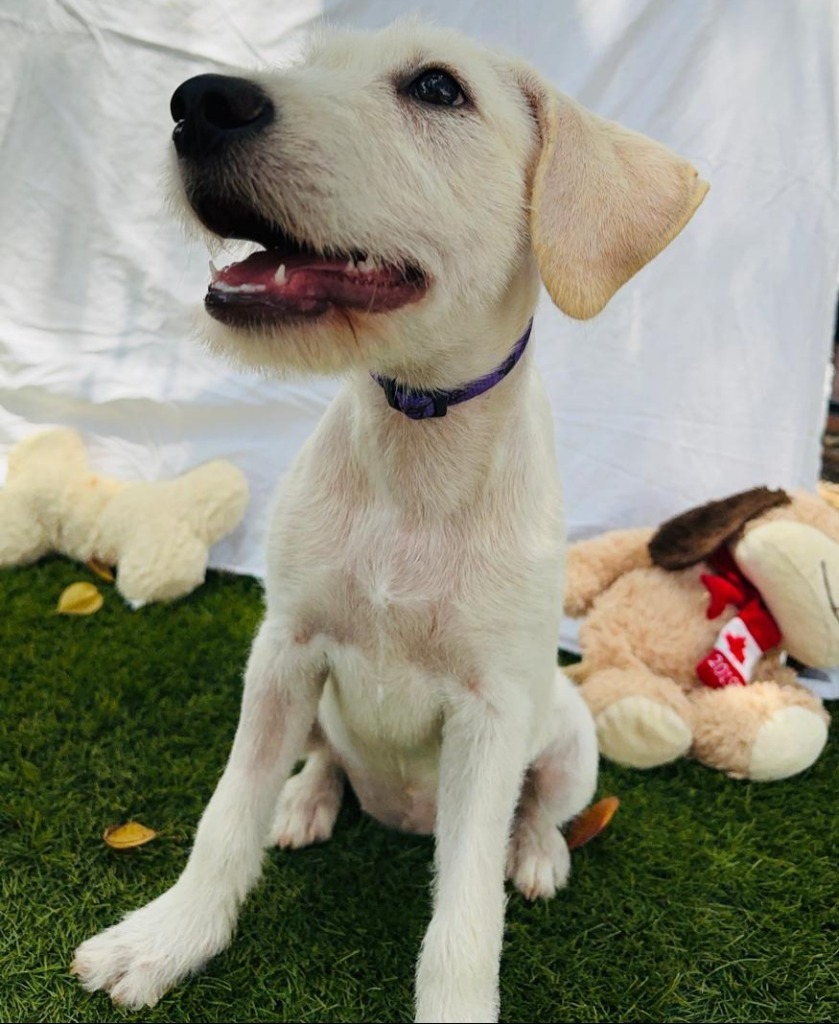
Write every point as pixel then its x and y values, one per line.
pixel 457 1012
pixel 538 861
pixel 459 1006
pixel 457 979
pixel 152 949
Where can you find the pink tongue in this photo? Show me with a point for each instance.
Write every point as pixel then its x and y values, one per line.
pixel 309 284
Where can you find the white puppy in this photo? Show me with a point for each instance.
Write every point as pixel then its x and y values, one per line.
pixel 410 189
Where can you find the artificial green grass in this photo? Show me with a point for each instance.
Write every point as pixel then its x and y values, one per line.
pixel 705 900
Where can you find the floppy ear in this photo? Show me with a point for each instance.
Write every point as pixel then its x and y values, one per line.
pixel 694 535
pixel 604 201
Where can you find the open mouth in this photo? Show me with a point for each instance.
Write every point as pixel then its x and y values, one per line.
pixel 291 280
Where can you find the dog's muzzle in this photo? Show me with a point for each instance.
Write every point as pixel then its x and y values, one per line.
pixel 217 117
pixel 214 111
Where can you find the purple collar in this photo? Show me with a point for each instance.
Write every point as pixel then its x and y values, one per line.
pixel 425 405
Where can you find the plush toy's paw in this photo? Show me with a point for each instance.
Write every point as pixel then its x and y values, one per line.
pixel 762 731
pixel 22 537
pixel 790 741
pixel 640 732
pixel 162 565
pixel 538 861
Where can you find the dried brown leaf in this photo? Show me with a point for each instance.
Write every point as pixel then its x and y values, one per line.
pixel 591 822
pixel 127 836
pixel 104 572
pixel 79 599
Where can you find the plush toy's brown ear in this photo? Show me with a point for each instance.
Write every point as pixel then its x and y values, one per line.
pixel 604 200
pixel 694 535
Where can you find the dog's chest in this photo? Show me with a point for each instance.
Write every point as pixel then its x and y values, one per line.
pixel 387 590
pixel 384 616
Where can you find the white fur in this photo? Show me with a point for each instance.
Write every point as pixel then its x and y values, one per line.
pixel 414 568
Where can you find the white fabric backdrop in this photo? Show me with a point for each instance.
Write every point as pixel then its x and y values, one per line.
pixel 706 374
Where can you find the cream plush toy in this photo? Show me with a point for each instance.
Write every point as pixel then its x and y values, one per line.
pixel 686 629
pixel 157 534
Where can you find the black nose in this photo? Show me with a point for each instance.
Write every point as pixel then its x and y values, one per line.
pixel 213 111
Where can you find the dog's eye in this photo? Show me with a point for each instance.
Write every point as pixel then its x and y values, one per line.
pixel 437 87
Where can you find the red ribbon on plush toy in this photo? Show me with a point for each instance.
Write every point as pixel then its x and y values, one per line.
pixel 742 641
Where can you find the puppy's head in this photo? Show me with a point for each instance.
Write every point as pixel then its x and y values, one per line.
pixel 403 181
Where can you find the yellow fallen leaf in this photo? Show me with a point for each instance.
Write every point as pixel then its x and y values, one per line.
pixel 104 572
pixel 124 837
pixel 79 599
pixel 591 822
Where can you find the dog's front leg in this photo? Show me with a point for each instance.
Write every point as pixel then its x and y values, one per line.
pixel 481 768
pixel 153 948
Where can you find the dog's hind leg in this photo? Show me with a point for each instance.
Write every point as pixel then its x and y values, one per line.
pixel 310 801
pixel 557 786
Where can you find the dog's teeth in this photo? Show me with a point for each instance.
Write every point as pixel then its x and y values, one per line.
pixel 350 267
pixel 214 271
pixel 279 275
pixel 366 266
pixel 239 289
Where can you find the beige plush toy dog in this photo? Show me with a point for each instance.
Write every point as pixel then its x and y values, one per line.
pixel 157 534
pixel 686 628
